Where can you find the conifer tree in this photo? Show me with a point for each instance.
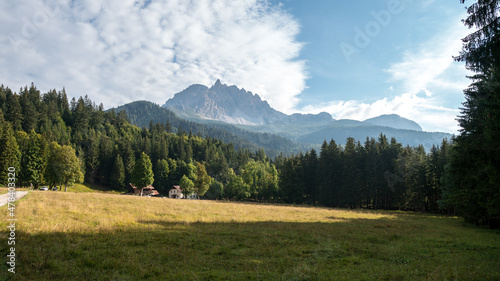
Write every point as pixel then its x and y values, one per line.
pixel 10 156
pixel 33 160
pixel 13 112
pixel 472 187
pixel 118 173
pixel 161 172
pixel 143 172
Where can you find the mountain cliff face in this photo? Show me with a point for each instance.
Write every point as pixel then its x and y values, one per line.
pixel 232 105
pixel 225 103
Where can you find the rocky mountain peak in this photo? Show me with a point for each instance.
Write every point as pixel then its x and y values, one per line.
pixel 225 103
pixel 233 105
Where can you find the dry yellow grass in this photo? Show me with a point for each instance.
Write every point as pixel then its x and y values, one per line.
pixel 96 212
pixel 98 236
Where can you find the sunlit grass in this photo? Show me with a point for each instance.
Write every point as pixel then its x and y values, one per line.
pixel 81 236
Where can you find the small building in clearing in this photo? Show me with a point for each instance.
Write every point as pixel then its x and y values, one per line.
pixel 175 192
pixel 146 191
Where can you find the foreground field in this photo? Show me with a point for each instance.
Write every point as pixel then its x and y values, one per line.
pixel 90 236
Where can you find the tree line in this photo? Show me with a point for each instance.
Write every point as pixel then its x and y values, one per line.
pixel 378 174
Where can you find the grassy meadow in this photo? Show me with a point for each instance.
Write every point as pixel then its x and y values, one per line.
pixel 100 236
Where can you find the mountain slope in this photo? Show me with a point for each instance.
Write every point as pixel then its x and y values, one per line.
pixel 405 137
pixel 232 105
pixel 227 104
pixel 394 121
pixel 141 113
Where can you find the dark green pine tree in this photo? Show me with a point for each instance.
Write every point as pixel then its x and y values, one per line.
pixel 350 175
pixel 291 180
pixel 10 156
pixel 81 116
pixel 34 160
pixel 143 172
pixel 161 172
pixel 311 177
pixel 168 127
pixel 118 173
pixel 30 101
pixel 92 157
pixel 329 173
pixel 13 113
pixel 472 187
pixel 63 104
pixel 128 161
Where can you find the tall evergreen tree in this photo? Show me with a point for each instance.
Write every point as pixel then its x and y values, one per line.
pixel 13 112
pixel 350 175
pixel 310 176
pixel 34 158
pixel 161 171
pixel 10 155
pixel 30 102
pixel 118 173
pixel 143 172
pixel 475 161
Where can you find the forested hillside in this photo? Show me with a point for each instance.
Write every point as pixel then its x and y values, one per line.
pixel 106 144
pixel 143 113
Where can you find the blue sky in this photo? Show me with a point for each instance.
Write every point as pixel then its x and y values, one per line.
pixel 352 59
pixel 369 57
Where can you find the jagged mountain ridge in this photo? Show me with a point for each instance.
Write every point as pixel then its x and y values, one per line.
pixel 233 105
pixel 222 104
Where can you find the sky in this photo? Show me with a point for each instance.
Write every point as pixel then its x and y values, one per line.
pixel 353 59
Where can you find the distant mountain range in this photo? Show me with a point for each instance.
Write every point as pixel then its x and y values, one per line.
pixel 243 116
pixel 232 105
pixel 394 121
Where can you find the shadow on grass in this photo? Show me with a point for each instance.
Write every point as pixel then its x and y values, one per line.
pixel 161 250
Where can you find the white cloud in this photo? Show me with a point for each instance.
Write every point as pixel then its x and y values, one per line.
pixel 431 64
pixel 422 108
pixel 121 51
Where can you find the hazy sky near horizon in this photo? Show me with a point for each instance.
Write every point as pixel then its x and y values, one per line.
pixel 352 59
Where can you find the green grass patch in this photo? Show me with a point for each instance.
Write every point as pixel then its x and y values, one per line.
pixel 96 236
